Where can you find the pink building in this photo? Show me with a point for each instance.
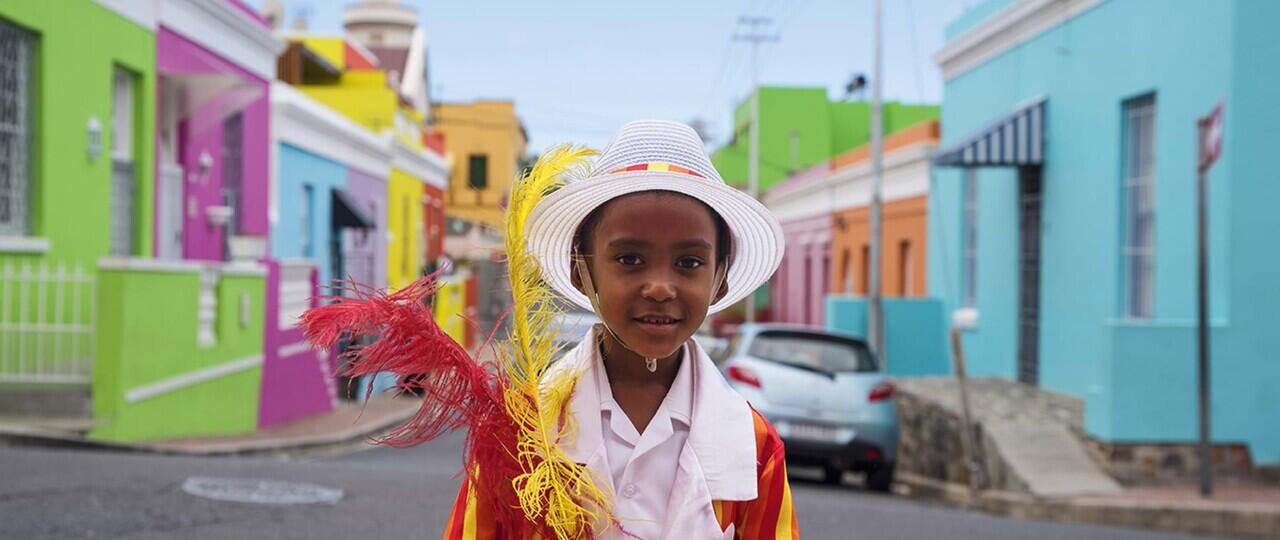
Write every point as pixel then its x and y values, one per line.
pixel 215 61
pixel 799 287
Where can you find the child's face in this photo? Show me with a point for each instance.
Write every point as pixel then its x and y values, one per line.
pixel 652 260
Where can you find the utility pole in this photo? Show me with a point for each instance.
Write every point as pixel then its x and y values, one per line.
pixel 755 36
pixel 875 311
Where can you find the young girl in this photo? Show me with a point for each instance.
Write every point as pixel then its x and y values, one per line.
pixel 653 241
pixel 646 439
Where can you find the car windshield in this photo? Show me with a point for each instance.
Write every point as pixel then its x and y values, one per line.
pixel 815 352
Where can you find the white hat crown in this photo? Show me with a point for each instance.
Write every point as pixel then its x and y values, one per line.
pixel 656 141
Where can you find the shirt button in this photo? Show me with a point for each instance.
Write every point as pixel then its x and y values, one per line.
pixel 629 491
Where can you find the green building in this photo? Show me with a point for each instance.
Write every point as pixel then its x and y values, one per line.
pixel 97 336
pixel 800 127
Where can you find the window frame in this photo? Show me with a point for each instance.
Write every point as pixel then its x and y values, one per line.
pixel 1138 208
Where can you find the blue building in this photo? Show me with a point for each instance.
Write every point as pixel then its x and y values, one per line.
pixel 1063 208
pixel 330 182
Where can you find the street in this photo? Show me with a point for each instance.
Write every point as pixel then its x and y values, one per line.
pixel 388 493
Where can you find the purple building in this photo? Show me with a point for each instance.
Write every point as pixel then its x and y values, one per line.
pixel 214 61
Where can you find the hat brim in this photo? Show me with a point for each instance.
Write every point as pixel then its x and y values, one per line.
pixel 757 237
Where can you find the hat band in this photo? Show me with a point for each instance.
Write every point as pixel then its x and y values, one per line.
pixel 657 166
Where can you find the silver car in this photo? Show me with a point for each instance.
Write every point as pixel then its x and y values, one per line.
pixel 825 394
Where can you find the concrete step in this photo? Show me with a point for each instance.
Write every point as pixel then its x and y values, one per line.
pixel 48 401
pixel 1049 459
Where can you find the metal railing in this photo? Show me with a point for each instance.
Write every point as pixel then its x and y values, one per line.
pixel 46 323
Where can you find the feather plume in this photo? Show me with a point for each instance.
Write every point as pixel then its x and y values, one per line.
pixel 515 413
pixel 552 485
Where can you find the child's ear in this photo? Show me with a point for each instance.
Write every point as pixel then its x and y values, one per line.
pixel 574 276
pixel 721 288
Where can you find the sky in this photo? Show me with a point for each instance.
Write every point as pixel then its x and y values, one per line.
pixel 578 70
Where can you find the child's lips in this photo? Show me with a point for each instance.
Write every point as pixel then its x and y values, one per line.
pixel 657 324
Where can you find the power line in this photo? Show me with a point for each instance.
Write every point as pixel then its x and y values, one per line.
pixel 755 36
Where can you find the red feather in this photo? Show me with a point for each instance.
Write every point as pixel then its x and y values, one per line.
pixel 458 391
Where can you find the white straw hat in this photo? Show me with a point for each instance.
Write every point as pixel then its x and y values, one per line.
pixel 655 156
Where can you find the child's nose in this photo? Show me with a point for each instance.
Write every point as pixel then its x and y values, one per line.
pixel 658 289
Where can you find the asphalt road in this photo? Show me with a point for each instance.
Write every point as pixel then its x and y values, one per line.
pixel 387 493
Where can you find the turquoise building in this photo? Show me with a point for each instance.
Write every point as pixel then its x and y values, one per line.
pixel 1062 213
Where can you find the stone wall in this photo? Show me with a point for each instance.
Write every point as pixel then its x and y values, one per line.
pixel 930 415
pixel 1161 463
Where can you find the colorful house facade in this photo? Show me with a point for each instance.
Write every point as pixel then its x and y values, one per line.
pixel 487 144
pixel 801 127
pixel 75 176
pixel 824 215
pixel 338 73
pixel 1065 214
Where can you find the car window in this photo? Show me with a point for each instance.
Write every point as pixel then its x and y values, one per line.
pixel 831 354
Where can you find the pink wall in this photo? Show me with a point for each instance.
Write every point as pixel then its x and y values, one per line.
pixel 300 384
pixel 201 132
pixel 800 286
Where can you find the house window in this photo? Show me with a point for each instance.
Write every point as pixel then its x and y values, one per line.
pixel 969 241
pixel 846 271
pixel 307 233
pixel 406 228
pixel 233 169
pixel 865 278
pixel 17 51
pixel 122 163
pixel 1139 206
pixel 906 272
pixel 478 171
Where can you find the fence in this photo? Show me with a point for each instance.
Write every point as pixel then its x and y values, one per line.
pixel 46 323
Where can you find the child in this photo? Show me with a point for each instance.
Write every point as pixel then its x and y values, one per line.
pixel 652 240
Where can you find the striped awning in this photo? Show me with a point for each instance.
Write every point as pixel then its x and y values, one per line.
pixel 1016 139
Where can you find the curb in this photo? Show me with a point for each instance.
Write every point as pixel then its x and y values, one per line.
pixel 1246 520
pixel 329 444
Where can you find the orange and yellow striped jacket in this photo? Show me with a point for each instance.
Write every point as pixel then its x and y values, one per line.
pixel 771 516
pixel 716 474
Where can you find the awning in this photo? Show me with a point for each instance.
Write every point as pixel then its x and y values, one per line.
pixel 1014 140
pixel 347 213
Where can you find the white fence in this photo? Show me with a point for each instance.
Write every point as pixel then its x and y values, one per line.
pixel 46 323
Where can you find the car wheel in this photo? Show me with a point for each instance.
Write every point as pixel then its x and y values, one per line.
pixel 880 477
pixel 832 475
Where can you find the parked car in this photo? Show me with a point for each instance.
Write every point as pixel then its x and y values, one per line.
pixel 825 394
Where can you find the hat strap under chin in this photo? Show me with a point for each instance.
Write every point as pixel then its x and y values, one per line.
pixel 584 274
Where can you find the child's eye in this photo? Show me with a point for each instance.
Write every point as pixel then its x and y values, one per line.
pixel 690 263
pixel 628 260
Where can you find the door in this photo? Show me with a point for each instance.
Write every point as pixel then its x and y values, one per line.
pixel 232 177
pixel 169 241
pixel 122 177
pixel 1030 191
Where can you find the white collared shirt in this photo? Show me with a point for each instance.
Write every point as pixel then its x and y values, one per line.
pixel 715 460
pixel 642 466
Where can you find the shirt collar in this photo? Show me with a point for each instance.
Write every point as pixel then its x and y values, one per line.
pixel 678 404
pixel 721 425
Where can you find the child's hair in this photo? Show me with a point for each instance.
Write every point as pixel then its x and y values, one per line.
pixel 582 240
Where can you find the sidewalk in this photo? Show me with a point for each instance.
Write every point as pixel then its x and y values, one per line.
pixel 350 424
pixel 1236 509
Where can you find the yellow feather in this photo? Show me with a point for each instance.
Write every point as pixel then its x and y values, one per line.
pixel 553 486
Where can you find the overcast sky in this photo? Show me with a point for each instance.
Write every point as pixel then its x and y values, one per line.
pixel 577 70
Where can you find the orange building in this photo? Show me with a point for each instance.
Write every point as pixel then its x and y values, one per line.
pixel 825 215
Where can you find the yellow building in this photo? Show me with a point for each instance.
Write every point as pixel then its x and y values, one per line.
pixel 347 79
pixel 486 143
